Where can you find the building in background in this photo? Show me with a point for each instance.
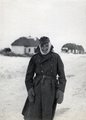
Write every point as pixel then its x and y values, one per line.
pixel 73 48
pixel 25 45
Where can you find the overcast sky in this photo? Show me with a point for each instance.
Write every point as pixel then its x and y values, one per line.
pixel 61 20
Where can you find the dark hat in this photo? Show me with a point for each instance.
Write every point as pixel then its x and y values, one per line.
pixel 44 40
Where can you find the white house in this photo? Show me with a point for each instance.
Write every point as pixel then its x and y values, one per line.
pixel 24 45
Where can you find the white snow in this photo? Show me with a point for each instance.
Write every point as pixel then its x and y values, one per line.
pixel 13 92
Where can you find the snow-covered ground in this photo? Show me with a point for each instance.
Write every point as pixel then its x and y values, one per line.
pixel 13 92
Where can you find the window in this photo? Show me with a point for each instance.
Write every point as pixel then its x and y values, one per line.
pixel 29 50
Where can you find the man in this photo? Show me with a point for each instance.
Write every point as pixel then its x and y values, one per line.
pixel 43 87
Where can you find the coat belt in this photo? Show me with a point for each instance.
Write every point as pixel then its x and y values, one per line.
pixel 44 77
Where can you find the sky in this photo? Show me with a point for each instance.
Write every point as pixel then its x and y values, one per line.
pixel 63 21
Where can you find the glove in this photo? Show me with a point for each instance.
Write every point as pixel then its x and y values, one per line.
pixel 31 95
pixel 59 96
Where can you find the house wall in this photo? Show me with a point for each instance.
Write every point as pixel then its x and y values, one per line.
pixel 30 50
pixel 18 49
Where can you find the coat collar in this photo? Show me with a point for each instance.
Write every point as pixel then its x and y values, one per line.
pixel 44 58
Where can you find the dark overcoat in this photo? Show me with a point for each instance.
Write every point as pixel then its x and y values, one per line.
pixel 46 69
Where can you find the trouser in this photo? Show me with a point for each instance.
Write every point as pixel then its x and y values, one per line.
pixel 44 105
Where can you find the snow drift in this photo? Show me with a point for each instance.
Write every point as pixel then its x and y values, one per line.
pixel 13 92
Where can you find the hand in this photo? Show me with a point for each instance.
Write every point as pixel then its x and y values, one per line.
pixel 59 96
pixel 31 95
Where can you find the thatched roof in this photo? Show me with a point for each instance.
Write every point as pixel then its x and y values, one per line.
pixel 27 42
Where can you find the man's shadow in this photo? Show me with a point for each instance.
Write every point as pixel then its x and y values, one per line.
pixel 61 111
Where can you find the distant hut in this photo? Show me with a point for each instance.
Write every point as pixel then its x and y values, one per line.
pixel 80 49
pixel 72 48
pixel 69 48
pixel 25 45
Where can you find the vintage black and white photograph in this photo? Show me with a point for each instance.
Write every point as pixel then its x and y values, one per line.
pixel 42 59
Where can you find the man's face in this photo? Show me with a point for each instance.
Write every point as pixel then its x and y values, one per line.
pixel 45 47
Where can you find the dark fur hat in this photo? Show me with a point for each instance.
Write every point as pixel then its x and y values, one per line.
pixel 44 40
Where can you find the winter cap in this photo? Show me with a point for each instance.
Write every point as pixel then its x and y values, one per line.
pixel 44 40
